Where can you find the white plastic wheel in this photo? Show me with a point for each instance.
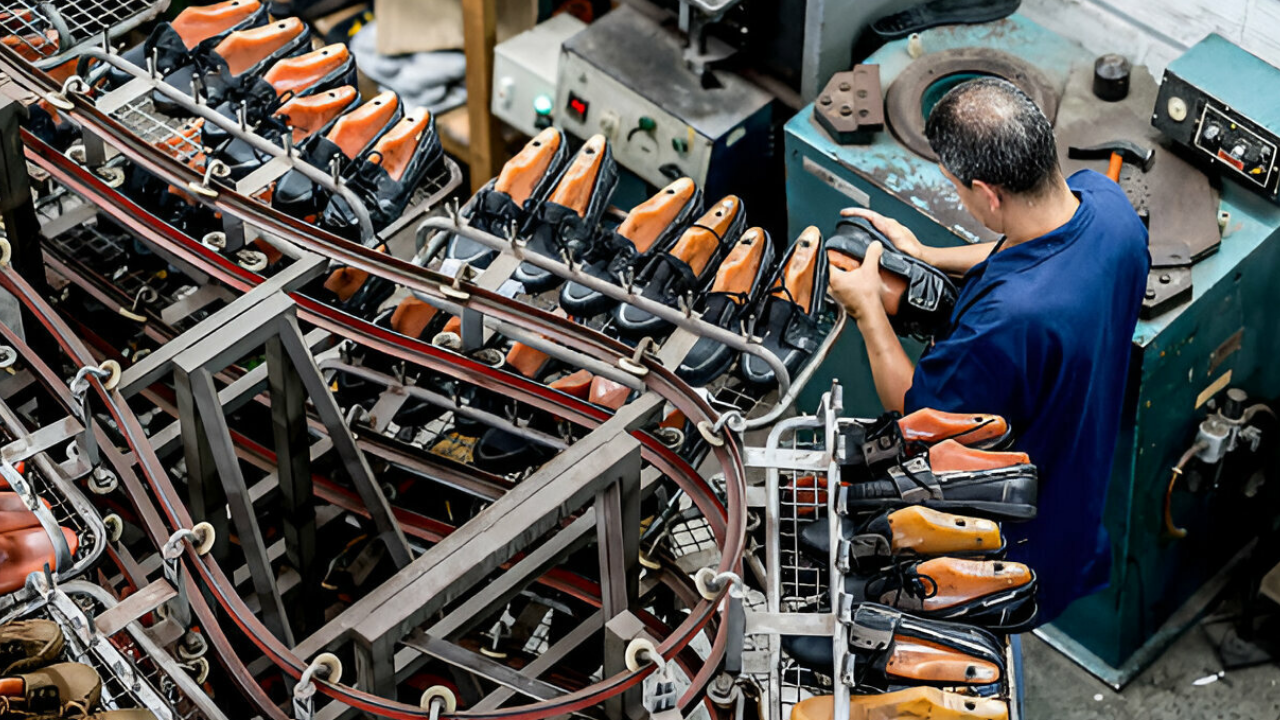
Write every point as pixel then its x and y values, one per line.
pixel 200 669
pixel 703 580
pixel 330 662
pixel 113 379
pixel 637 647
pixel 6 252
pixel 103 482
pixel 448 341
pixel 442 692
pixel 114 526
pixel 205 537
pixel 632 367
pixel 252 260
pixel 709 434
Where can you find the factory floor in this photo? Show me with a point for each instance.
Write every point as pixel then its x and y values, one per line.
pixel 1058 689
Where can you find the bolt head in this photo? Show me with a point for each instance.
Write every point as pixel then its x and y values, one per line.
pixel 1151 294
pixel 846 110
pixel 844 87
pixel 1164 279
pixel 825 100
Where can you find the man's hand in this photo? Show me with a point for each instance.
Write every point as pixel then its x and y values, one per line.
pixel 898 234
pixel 860 290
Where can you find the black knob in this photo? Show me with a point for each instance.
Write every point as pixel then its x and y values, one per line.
pixel 1111 77
pixel 1233 406
pixel 671 171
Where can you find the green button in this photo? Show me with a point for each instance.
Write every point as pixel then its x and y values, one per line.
pixel 542 105
pixel 680 145
pixel 647 123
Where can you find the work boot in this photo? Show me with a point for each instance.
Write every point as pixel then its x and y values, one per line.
pixel 130 714
pixel 28 644
pixel 910 532
pixel 739 284
pixel 787 317
pixel 995 594
pixel 685 270
pixel 918 703
pixel 566 222
pixel 864 447
pixel 952 478
pixel 62 690
pixel 504 202
pixel 652 226
pixel 918 297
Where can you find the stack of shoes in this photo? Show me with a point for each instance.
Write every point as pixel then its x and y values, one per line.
pixel 35 685
pixel 787 317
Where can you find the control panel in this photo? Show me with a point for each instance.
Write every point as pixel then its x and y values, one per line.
pixel 1223 117
pixel 524 74
pixel 624 77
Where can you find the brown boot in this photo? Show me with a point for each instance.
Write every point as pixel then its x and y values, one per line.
pixel 28 645
pixel 62 690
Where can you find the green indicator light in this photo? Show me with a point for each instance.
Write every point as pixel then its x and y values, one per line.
pixel 680 145
pixel 647 124
pixel 542 105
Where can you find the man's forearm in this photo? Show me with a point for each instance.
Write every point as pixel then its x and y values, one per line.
pixel 890 367
pixel 957 260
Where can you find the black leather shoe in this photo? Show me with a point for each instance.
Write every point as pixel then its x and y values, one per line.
pixel 566 222
pixel 920 297
pixel 256 98
pixel 952 478
pixel 352 135
pixel 998 595
pixel 866 447
pixel 385 177
pixel 195 27
pixel 683 271
pixel 504 202
pixel 301 117
pixel 652 226
pixel 738 285
pixel 912 532
pixel 788 314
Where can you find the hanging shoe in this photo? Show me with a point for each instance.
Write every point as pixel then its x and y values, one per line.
pixel 195 26
pixel 238 56
pixel 918 297
pixel 352 135
pixel 301 117
pixel 995 594
pixel 250 99
pixel 952 478
pixel 29 644
pixel 683 271
pixel 566 222
pixel 385 177
pixel 866 447
pixel 917 703
pixel 912 532
pixel 787 316
pixel 738 285
pixel 650 227
pixel 503 203
pixel 56 691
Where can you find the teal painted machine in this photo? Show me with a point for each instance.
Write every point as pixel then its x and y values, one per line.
pixel 1216 336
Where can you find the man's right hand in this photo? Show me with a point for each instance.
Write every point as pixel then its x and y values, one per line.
pixel 897 233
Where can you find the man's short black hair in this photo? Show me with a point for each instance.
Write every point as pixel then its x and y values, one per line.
pixel 989 130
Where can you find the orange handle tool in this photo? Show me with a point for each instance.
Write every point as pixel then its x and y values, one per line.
pixel 1113 170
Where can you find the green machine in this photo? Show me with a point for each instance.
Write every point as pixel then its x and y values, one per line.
pixel 1210 301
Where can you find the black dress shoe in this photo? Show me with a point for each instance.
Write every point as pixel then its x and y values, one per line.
pixel 998 595
pixel 252 98
pixel 195 27
pixel 951 478
pixel 503 203
pixel 911 532
pixel 683 271
pixel 565 222
pixel 650 227
pixel 739 283
pixel 385 177
pixel 301 118
pixel 352 135
pixel 922 296
pixel 787 318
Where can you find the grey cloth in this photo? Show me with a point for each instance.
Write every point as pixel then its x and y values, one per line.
pixel 433 80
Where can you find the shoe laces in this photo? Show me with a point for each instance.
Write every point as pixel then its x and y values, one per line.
pixel 902 577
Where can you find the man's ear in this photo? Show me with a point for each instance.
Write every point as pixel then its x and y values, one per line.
pixel 989 194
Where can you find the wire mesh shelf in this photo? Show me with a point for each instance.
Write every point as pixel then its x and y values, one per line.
pixel 52 32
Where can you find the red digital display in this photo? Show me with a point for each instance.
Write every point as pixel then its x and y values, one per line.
pixel 578 108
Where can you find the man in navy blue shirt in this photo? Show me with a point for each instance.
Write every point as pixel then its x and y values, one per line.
pixel 1043 326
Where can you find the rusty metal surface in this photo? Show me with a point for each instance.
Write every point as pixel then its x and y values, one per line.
pixel 903 101
pixel 851 107
pixel 1181 206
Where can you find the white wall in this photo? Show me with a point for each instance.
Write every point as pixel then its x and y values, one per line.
pixel 1153 32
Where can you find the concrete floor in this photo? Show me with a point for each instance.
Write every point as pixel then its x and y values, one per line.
pixel 1058 689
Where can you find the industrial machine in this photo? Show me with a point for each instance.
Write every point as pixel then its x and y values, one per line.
pixel 524 73
pixel 1212 251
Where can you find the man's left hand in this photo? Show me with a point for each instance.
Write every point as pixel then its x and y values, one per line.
pixel 859 290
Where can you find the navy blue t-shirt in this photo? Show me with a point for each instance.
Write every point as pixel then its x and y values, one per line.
pixel 1041 334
